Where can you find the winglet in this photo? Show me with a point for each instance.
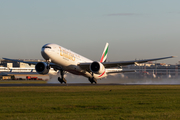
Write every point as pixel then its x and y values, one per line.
pixel 173 56
pixel 105 52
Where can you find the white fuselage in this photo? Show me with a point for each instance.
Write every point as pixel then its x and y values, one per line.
pixel 68 60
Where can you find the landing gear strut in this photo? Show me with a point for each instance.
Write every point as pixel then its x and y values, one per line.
pixel 62 79
pixel 48 63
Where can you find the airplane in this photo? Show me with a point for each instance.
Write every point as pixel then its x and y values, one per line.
pixel 59 58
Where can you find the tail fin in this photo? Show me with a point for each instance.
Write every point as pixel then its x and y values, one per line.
pixel 105 52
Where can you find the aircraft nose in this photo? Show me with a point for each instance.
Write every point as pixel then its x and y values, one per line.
pixel 44 52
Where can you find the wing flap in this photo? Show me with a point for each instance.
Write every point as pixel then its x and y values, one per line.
pixel 109 71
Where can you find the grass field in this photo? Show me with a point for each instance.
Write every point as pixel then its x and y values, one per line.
pixel 117 102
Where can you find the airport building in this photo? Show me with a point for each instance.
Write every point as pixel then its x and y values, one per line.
pixel 154 70
pixel 7 63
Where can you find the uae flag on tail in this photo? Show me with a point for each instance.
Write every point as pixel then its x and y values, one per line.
pixel 105 52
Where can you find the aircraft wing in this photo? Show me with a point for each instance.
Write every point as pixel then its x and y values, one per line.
pixel 121 63
pixel 85 66
pixel 33 63
pixel 124 63
pixel 28 62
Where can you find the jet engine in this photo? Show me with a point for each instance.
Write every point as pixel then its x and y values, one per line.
pixel 42 68
pixel 97 67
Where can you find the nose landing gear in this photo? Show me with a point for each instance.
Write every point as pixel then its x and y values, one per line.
pixel 48 63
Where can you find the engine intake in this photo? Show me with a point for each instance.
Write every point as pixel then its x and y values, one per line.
pixel 97 67
pixel 42 68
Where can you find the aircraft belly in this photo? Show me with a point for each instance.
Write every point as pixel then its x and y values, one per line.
pixel 85 74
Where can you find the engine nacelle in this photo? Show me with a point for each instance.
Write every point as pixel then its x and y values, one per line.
pixel 97 67
pixel 42 68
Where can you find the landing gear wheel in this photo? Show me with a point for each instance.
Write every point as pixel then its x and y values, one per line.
pixel 62 80
pixel 93 80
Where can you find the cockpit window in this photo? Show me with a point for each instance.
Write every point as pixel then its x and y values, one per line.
pixel 46 47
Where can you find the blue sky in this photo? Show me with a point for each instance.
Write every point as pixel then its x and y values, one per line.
pixel 135 29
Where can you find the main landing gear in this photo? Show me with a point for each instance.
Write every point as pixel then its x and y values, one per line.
pixel 62 79
pixel 93 80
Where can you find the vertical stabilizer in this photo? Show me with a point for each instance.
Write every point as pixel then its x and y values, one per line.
pixel 105 52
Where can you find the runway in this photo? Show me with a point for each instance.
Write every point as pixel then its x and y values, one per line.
pixel 71 84
pixel 54 84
